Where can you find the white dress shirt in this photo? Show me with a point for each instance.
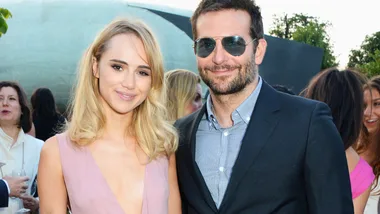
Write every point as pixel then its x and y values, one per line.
pixel 26 148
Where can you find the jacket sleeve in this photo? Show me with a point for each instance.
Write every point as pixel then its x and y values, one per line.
pixel 4 196
pixel 325 170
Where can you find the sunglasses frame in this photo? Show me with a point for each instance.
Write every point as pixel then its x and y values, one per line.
pixel 220 38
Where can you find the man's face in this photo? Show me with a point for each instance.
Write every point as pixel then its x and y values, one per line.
pixel 222 72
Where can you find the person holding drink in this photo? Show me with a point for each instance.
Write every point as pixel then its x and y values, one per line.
pixel 19 152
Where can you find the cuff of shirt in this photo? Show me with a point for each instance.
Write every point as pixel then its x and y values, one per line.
pixel 6 183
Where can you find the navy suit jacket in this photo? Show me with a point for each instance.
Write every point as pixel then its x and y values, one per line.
pixel 291 161
pixel 4 196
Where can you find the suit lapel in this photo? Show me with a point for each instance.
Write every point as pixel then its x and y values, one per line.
pixel 197 175
pixel 263 121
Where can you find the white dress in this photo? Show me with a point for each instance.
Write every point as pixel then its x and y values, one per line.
pixel 372 203
pixel 26 148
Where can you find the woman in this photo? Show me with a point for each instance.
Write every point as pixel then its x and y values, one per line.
pixel 19 151
pixel 46 118
pixel 184 93
pixel 117 155
pixel 368 146
pixel 342 91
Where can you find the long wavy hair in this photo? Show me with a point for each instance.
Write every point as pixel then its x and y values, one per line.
pixel 342 91
pixel 366 140
pixel 154 134
pixel 43 103
pixel 181 90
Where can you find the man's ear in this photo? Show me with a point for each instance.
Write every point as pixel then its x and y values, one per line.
pixel 260 51
pixel 95 69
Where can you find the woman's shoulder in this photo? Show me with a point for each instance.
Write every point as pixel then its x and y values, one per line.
pixel 361 178
pixel 363 171
pixel 37 142
pixel 50 147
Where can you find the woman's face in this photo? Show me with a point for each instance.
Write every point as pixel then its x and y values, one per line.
pixel 371 110
pixel 196 102
pixel 10 109
pixel 124 74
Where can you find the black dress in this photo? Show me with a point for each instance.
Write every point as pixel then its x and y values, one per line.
pixel 47 127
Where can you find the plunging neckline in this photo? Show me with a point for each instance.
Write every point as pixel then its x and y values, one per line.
pixel 107 186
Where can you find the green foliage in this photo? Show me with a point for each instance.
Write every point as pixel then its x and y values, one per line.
pixel 4 15
pixel 372 68
pixel 305 29
pixel 366 53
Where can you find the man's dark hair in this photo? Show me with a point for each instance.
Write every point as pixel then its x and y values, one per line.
pixel 205 6
pixel 283 89
pixel 25 120
pixel 342 91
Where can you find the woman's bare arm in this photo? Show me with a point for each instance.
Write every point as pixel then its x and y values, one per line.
pixel 361 201
pixel 51 186
pixel 174 196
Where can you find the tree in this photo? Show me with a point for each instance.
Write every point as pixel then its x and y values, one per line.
pixel 367 51
pixel 285 26
pixel 372 68
pixel 305 29
pixel 4 15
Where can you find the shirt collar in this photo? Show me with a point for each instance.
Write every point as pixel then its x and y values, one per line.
pixel 243 111
pixel 8 139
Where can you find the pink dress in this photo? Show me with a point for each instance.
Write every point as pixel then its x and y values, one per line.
pixel 361 178
pixel 89 192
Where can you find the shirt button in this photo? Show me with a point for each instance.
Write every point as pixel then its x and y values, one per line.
pixel 221 169
pixel 248 118
pixel 225 133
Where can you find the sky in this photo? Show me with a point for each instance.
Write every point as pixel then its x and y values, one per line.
pixel 351 20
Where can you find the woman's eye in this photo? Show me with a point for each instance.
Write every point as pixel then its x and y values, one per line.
pixel 143 73
pixel 117 67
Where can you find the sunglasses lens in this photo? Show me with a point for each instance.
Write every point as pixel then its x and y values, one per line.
pixel 234 45
pixel 204 47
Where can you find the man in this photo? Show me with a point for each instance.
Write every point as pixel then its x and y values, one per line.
pixel 11 187
pixel 251 149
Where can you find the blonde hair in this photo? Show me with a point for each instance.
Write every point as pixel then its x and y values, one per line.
pixel 154 134
pixel 181 89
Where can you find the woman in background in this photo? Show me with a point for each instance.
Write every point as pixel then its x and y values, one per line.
pixel 46 118
pixel 342 91
pixel 368 146
pixel 184 93
pixel 19 151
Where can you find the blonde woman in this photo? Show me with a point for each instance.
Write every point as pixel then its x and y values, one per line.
pixel 117 154
pixel 184 93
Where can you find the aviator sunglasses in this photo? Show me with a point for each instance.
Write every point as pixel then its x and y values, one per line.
pixel 234 45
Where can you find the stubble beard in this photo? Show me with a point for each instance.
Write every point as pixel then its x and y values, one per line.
pixel 246 75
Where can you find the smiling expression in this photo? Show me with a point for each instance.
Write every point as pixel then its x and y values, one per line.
pixel 124 74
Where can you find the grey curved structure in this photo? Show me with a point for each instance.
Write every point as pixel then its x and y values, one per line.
pixel 45 41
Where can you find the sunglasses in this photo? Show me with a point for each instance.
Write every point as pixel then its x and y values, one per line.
pixel 234 45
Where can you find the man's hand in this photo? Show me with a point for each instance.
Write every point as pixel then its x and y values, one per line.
pixel 30 203
pixel 17 185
